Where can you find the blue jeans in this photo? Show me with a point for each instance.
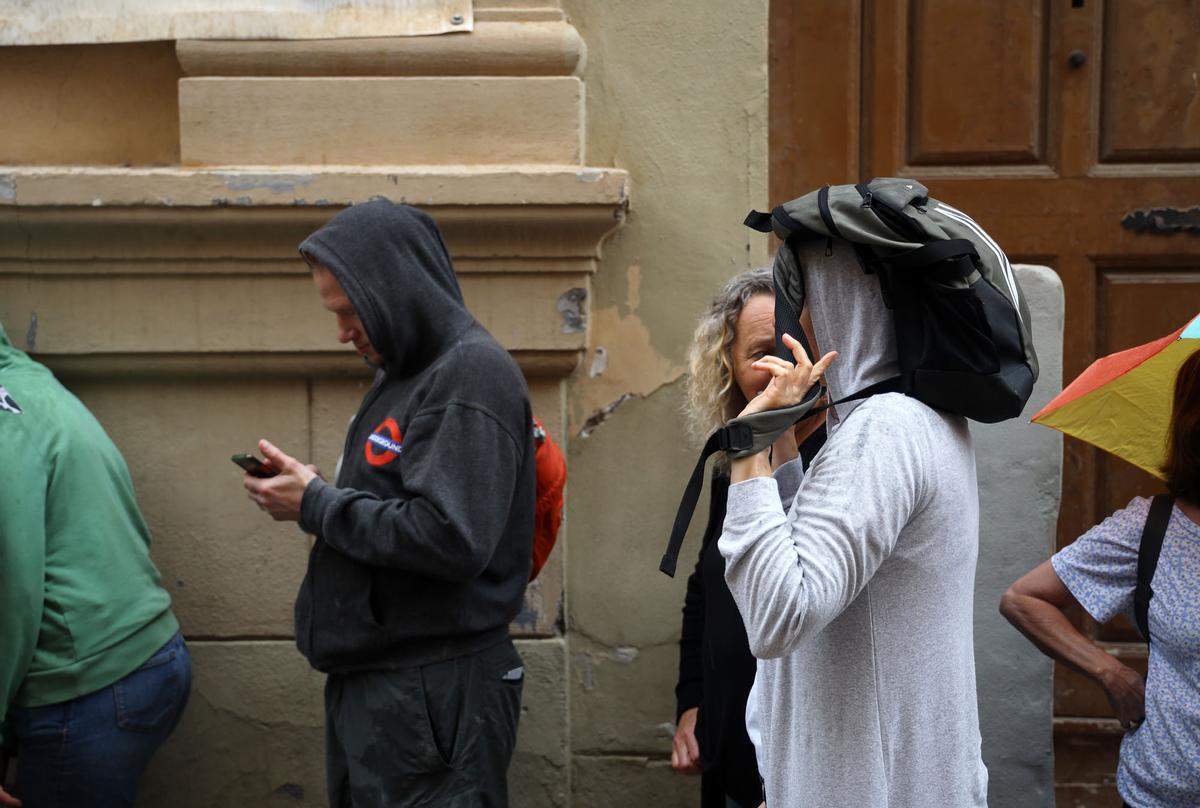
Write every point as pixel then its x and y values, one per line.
pixel 89 752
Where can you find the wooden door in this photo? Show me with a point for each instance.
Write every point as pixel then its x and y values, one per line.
pixel 1070 129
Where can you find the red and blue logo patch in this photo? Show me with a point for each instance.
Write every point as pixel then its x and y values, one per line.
pixel 384 444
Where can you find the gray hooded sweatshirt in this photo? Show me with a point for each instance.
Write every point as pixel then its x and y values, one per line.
pixel 858 599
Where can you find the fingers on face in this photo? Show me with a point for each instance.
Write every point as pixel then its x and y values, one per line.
pixel 779 371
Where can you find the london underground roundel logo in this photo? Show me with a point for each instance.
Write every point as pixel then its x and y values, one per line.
pixel 384 444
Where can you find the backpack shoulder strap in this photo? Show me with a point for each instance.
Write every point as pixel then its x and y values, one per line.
pixel 1148 551
pixel 738 436
pixel 687 507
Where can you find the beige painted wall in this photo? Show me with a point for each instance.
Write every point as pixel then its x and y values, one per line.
pixel 677 95
pixel 107 104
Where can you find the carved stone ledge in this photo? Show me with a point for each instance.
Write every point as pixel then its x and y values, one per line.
pixel 258 365
pixel 493 49
pixel 493 213
pixel 311 186
pixel 215 233
pixel 115 272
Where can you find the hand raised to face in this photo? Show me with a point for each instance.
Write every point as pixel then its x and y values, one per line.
pixel 790 382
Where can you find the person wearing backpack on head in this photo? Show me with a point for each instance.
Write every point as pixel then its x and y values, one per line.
pixel 1103 571
pixel 858 600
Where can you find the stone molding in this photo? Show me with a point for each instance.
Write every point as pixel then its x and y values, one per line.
pixel 524 241
pixel 499 48
pixel 260 365
pixel 313 186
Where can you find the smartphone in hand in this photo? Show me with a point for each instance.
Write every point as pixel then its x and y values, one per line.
pixel 253 466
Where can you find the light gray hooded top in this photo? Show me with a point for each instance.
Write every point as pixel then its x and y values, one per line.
pixel 858 599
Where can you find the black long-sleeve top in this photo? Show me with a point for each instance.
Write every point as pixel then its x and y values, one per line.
pixel 716 668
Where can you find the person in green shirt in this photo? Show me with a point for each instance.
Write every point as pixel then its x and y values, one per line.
pixel 94 674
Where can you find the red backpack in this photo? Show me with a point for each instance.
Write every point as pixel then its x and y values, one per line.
pixel 551 479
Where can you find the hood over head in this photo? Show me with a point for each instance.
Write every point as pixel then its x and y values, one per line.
pixel 848 316
pixel 393 266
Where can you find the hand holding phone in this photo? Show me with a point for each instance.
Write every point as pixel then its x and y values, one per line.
pixel 253 466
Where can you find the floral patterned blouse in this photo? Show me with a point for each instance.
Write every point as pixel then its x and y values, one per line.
pixel 1160 760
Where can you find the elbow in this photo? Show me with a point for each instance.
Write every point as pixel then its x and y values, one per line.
pixel 773 642
pixel 772 647
pixel 1011 608
pixel 767 648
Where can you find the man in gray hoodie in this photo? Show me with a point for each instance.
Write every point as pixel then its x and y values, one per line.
pixel 423 543
pixel 858 600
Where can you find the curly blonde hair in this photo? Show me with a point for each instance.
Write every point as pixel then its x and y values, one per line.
pixel 713 396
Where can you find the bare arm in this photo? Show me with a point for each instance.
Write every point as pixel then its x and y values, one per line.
pixel 1035 604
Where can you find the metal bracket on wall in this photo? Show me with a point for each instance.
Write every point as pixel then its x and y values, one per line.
pixel 1163 220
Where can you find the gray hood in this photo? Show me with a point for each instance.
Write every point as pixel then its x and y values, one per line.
pixel 848 316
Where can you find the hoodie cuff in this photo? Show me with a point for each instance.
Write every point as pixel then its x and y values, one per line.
pixel 752 494
pixel 318 495
pixel 788 477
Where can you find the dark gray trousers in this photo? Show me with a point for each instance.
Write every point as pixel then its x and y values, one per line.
pixel 437 735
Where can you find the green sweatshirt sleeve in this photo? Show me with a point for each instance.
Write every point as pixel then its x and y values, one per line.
pixel 24 478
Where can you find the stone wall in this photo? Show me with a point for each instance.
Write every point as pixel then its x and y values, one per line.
pixel 151 200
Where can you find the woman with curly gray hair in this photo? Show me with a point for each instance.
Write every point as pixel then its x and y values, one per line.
pixel 716 668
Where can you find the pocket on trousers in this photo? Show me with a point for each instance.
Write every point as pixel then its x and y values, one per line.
pixel 147 699
pixel 442 701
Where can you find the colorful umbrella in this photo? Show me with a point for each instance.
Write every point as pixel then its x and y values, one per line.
pixel 1122 403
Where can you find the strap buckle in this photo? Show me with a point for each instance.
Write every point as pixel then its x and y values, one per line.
pixel 735 437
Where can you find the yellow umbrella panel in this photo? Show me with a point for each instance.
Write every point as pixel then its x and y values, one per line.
pixel 1122 403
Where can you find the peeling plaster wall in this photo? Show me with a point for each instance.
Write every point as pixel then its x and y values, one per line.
pixel 677 95
pixel 679 99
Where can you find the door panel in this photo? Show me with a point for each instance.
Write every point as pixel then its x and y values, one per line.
pixel 1150 97
pixel 815 88
pixel 1051 122
pixel 963 110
